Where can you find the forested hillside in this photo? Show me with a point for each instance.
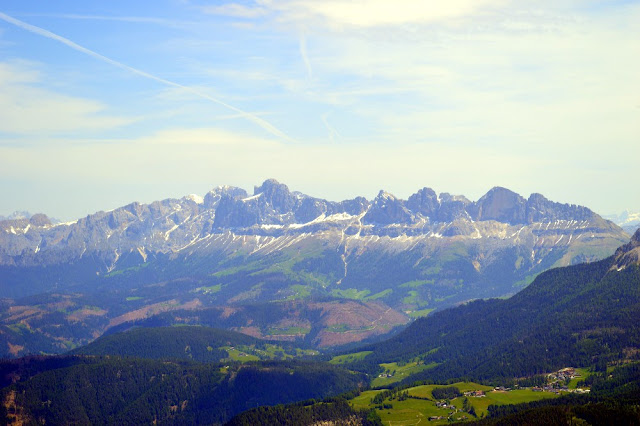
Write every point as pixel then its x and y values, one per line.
pixel 196 343
pixel 81 390
pixel 582 315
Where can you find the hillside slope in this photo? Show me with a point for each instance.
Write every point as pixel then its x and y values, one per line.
pixel 364 266
pixel 83 391
pixel 581 315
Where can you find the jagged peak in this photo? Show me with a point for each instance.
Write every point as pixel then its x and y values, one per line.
pixel 270 185
pixel 384 195
pixel 536 196
pixel 214 196
pixel 500 191
pixel 446 197
pixel 40 219
pixel 426 191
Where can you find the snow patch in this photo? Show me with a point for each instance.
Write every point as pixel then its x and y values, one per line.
pixel 255 197
pixel 195 198
pixel 271 226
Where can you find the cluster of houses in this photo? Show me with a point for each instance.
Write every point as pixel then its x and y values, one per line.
pixel 556 381
pixel 563 374
pixel 475 393
pixel 443 404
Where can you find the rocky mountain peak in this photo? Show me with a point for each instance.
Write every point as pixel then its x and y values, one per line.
pixel 540 209
pixel 502 205
pixel 387 209
pixel 424 202
pixel 213 197
pixel 277 195
pixel 40 219
pixel 453 207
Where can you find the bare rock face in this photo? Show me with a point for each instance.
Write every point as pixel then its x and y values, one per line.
pixel 502 205
pixel 424 202
pixel 541 209
pixel 387 209
pixel 169 226
pixel 453 207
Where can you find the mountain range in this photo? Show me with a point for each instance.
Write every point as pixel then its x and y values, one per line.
pixel 280 264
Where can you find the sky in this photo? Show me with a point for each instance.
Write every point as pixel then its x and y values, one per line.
pixel 106 103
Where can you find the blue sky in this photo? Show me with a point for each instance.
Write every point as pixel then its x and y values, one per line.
pixel 104 103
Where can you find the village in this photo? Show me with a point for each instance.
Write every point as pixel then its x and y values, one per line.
pixel 556 382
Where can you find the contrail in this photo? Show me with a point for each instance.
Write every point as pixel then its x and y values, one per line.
pixel 48 34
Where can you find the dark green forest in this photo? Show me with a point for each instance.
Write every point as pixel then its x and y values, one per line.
pixel 584 315
pixel 336 410
pixel 118 391
pixel 186 342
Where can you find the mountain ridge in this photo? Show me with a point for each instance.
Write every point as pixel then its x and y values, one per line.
pixel 350 270
pixel 273 210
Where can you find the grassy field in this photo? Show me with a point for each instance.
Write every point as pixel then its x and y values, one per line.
pixel 420 313
pixel 413 411
pixel 349 358
pixel 268 351
pixel 399 372
pixel 288 331
pixel 351 293
pixel 209 290
pixel 584 373
pixel 239 355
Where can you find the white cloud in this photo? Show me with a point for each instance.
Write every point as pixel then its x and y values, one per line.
pixel 356 13
pixel 375 13
pixel 26 108
pixel 236 10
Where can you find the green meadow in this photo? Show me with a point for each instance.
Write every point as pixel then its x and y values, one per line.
pixel 349 358
pixel 420 405
pixel 399 372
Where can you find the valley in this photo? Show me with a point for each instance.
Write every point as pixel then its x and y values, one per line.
pixel 319 213
pixel 280 264
pixel 565 347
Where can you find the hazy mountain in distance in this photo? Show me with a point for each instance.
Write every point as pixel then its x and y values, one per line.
pixel 16 215
pixel 627 220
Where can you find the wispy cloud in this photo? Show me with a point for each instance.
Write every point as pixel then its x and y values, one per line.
pixel 132 19
pixel 374 13
pixel 27 109
pixel 236 10
pixel 333 133
pixel 305 55
pixel 48 34
pixel 356 13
